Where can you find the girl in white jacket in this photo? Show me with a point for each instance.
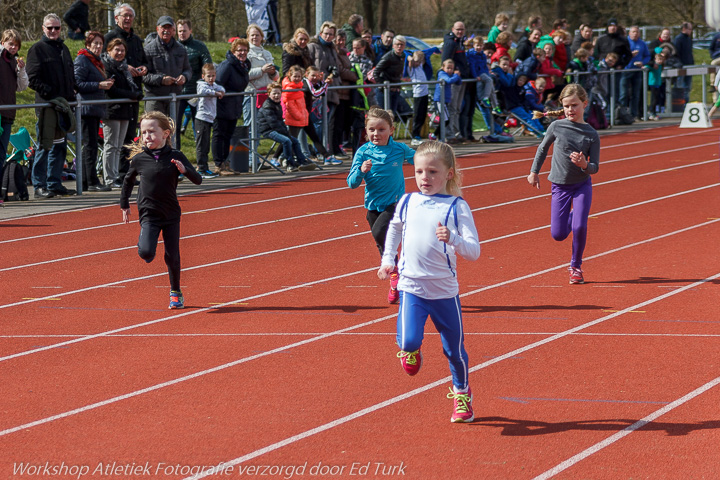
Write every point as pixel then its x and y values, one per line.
pixel 434 226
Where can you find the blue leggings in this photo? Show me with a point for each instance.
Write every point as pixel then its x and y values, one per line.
pixel 569 212
pixel 445 314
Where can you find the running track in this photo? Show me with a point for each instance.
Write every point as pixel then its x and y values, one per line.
pixel 285 360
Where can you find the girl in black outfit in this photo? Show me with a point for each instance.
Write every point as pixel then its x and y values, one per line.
pixel 159 167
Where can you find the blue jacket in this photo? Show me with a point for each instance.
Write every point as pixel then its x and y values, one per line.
pixel 643 52
pixel 427 67
pixel 385 182
pixel 234 77
pixel 380 50
pixel 683 44
pixel 528 67
pixel 478 63
pixel 714 46
pixel 87 81
pixel 441 75
pixel 507 85
pixel 454 48
pixel 532 98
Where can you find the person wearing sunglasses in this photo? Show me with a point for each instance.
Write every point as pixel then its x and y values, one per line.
pixel 51 74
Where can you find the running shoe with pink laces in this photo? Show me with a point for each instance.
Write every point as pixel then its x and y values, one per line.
pixel 462 406
pixel 576 275
pixel 393 294
pixel 411 361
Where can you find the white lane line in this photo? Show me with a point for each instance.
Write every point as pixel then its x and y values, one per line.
pixel 302 195
pixel 627 431
pixel 364 334
pixel 245 257
pixel 300 217
pixel 348 329
pixel 443 381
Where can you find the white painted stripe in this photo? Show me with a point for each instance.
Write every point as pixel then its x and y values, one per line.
pixel 364 334
pixel 425 388
pixel 348 329
pixel 333 190
pixel 627 431
pixel 300 217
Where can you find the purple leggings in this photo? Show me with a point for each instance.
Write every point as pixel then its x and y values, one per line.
pixel 563 220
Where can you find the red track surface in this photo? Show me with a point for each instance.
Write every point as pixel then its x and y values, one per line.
pixel 285 356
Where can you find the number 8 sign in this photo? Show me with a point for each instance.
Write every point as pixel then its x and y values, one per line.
pixel 695 116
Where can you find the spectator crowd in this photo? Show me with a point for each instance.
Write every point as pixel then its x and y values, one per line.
pixel 502 75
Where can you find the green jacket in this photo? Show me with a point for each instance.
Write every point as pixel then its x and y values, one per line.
pixel 54 122
pixel 351 35
pixel 198 55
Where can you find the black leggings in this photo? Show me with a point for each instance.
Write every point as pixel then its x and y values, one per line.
pixel 379 222
pixel 147 244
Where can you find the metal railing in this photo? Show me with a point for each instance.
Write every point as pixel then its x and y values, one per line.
pixel 254 139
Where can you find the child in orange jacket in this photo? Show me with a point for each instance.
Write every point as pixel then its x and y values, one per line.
pixel 293 103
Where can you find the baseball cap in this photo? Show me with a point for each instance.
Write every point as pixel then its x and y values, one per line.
pixel 165 20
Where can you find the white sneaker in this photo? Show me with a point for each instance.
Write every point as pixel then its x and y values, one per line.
pixel 416 142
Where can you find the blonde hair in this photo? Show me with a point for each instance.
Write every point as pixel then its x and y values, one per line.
pixel 329 25
pixel 500 18
pixel 377 112
pixel 569 90
pixel 255 26
pixel 208 67
pixel 444 153
pixel 165 122
pixel 418 56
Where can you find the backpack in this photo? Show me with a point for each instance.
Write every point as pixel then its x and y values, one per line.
pixel 14 184
pixel 623 116
pixel 596 117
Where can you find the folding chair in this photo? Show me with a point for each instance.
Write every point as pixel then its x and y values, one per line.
pixel 23 145
pixel 403 115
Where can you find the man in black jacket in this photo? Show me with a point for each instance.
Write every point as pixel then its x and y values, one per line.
pixel 460 118
pixel 137 66
pixel 51 74
pixel 390 69
pixel 77 19
pixel 684 45
pixel 168 69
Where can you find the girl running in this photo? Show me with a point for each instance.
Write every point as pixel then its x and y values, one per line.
pixel 379 162
pixel 575 157
pixel 159 166
pixel 434 227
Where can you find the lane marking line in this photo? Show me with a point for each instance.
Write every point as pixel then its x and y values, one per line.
pixel 444 381
pixel 348 329
pixel 627 431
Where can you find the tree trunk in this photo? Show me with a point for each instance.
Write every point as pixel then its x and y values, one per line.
pixel 368 14
pixel 212 7
pixel 383 15
pixel 285 20
pixel 309 20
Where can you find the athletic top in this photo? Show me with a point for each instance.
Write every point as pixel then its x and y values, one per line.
pixel 157 198
pixel 427 265
pixel 569 137
pixel 384 183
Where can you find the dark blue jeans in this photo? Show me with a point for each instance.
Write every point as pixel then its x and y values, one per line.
pixel 291 148
pixel 48 167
